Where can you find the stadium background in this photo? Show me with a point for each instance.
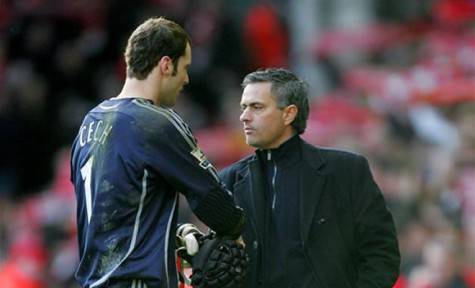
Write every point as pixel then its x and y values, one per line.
pixel 393 80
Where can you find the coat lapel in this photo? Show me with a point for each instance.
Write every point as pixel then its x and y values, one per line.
pixel 257 194
pixel 250 194
pixel 251 184
pixel 312 184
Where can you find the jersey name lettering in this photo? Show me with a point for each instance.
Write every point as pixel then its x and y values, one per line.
pixel 94 132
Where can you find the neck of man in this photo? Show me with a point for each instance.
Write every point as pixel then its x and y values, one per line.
pixel 135 88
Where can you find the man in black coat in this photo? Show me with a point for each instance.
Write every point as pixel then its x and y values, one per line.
pixel 316 218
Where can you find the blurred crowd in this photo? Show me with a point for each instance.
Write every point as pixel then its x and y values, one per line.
pixel 400 90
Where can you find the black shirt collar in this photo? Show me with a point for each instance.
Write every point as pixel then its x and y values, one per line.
pixel 287 153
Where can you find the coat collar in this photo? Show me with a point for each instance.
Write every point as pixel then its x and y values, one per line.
pixel 312 184
pixel 310 154
pixel 285 155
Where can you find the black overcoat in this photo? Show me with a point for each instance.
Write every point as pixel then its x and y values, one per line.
pixel 348 234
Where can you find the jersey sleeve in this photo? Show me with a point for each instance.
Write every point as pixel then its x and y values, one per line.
pixel 170 149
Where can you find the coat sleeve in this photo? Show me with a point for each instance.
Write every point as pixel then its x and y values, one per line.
pixel 378 257
pixel 226 175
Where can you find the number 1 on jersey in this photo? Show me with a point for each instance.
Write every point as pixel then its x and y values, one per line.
pixel 86 176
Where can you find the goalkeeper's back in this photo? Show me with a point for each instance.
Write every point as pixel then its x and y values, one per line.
pixel 128 160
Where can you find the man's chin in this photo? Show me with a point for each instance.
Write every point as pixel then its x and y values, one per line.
pixel 252 142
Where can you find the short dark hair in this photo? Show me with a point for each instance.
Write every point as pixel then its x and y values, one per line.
pixel 153 39
pixel 287 88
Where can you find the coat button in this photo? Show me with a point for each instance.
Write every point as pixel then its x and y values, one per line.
pixel 255 245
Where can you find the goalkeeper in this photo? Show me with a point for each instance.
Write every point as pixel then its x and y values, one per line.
pixel 131 156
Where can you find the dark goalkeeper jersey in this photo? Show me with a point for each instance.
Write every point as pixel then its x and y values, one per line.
pixel 128 161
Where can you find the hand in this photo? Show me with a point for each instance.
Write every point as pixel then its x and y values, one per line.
pixel 221 262
pixel 188 237
pixel 241 242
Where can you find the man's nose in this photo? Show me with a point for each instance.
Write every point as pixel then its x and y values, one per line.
pixel 244 117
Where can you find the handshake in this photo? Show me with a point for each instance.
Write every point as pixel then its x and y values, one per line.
pixel 216 261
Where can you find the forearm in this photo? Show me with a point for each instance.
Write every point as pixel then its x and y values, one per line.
pixel 218 211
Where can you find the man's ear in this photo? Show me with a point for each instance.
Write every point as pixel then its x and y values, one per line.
pixel 166 65
pixel 290 112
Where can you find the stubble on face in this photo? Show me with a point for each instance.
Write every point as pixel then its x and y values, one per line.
pixel 262 120
pixel 178 78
